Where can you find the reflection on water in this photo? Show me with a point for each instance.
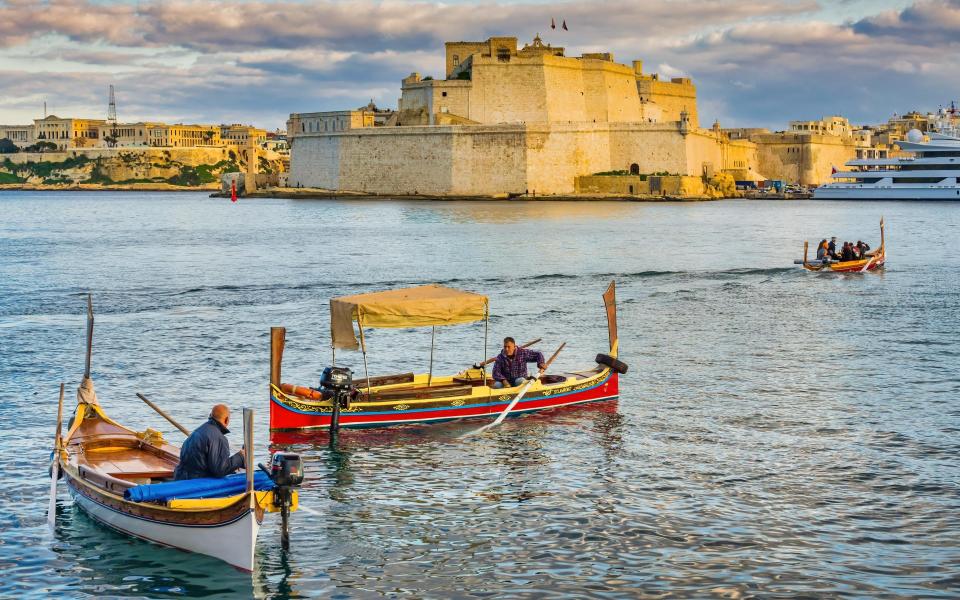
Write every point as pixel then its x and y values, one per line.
pixel 779 433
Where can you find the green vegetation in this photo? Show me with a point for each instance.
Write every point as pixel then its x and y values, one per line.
pixel 8 147
pixel 642 176
pixel 464 75
pixel 427 78
pixel 45 169
pixel 10 178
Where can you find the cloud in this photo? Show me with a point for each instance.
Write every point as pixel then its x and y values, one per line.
pixel 754 62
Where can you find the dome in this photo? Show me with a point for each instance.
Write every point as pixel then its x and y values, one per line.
pixel 914 136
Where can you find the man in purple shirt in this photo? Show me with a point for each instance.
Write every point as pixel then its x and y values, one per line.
pixel 510 368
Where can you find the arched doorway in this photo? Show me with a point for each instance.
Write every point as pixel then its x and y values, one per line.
pixel 634 169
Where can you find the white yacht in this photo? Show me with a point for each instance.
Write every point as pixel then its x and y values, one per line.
pixel 932 173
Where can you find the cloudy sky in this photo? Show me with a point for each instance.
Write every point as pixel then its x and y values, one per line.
pixel 755 63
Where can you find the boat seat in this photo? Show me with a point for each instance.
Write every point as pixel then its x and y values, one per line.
pixel 382 380
pixel 418 393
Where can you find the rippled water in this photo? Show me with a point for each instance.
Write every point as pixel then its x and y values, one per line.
pixel 779 433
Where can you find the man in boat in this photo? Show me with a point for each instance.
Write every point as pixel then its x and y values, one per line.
pixel 832 248
pixel 510 368
pixel 206 453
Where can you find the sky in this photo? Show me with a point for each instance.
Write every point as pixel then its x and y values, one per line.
pixel 755 63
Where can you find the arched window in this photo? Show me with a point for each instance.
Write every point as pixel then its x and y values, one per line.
pixel 456 60
pixel 634 169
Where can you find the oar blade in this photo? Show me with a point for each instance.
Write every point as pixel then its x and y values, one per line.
pixel 52 508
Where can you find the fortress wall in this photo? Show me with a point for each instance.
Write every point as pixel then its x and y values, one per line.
pixel 654 147
pixel 489 161
pixel 558 154
pixel 508 92
pixel 565 88
pixel 671 97
pixel 315 161
pixel 611 92
pixel 802 158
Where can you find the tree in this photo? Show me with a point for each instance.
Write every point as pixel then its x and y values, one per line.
pixel 8 147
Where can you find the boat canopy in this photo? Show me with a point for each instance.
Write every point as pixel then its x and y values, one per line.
pixel 422 306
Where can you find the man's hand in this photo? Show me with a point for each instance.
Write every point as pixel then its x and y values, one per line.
pixel 541 366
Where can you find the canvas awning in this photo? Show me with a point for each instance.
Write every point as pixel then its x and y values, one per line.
pixel 422 306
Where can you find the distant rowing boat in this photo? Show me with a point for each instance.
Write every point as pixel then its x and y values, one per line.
pixel 872 260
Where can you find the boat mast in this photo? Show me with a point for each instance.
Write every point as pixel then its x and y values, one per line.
pixel 86 370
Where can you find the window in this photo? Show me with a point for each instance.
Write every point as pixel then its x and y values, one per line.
pixel 634 169
pixel 444 94
pixel 503 54
pixel 456 60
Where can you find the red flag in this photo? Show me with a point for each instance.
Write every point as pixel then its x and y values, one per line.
pixel 833 170
pixel 565 25
pixel 233 190
pixel 553 24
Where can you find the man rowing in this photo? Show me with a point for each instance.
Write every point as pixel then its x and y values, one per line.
pixel 510 368
pixel 206 453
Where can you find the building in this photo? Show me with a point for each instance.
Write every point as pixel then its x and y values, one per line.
pixel 68 133
pixel 509 120
pixel 180 135
pixel 21 135
pixel 242 135
pixel 126 135
pixel 835 125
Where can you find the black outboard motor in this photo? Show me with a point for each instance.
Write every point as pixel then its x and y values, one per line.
pixel 338 381
pixel 286 472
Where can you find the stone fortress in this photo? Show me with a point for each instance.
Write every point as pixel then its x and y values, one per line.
pixel 513 121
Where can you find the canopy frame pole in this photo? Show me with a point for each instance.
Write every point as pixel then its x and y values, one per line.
pixel 433 341
pixel 363 349
pixel 486 333
pixel 333 355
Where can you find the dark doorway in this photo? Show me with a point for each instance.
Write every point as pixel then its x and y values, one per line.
pixel 634 169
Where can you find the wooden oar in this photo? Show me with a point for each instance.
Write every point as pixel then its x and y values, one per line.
pixel 55 468
pixel 163 414
pixel 490 360
pixel 520 394
pixel 869 262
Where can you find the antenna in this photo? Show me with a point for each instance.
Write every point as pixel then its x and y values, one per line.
pixel 112 109
pixel 44 109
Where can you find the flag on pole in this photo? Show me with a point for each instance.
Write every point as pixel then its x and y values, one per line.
pixel 833 170
pixel 553 24
pixel 564 26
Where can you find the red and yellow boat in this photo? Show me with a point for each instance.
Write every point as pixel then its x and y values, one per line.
pixel 405 398
pixel 872 260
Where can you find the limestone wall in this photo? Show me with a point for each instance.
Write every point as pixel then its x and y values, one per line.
pixel 496 159
pixel 802 158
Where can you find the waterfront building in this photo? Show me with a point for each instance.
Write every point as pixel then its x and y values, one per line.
pixel 242 135
pixel 21 135
pixel 835 125
pixel 509 120
pixel 126 135
pixel 68 133
pixel 180 135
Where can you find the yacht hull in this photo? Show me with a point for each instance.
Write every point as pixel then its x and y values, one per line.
pixel 829 192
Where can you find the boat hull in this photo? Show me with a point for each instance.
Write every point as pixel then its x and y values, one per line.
pixel 229 535
pixel 852 266
pixel 292 413
pixel 830 192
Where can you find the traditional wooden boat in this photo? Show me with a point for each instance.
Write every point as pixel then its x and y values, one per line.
pixel 123 479
pixel 404 398
pixel 873 260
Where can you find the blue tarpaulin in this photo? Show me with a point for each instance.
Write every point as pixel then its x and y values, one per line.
pixel 197 488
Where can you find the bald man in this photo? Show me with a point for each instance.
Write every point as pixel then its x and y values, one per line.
pixel 206 453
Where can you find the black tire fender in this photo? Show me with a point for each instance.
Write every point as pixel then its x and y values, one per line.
pixel 614 364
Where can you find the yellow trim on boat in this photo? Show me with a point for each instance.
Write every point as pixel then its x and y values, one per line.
pixel 264 500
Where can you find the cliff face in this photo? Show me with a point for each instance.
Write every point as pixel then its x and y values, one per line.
pixel 185 167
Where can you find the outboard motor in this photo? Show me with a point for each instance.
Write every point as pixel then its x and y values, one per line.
pixel 338 381
pixel 286 472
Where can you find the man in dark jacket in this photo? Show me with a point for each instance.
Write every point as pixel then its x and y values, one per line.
pixel 206 453
pixel 510 368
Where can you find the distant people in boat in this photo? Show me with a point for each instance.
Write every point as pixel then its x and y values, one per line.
pixel 862 248
pixel 846 253
pixel 832 248
pixel 822 249
pixel 510 368
pixel 206 453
